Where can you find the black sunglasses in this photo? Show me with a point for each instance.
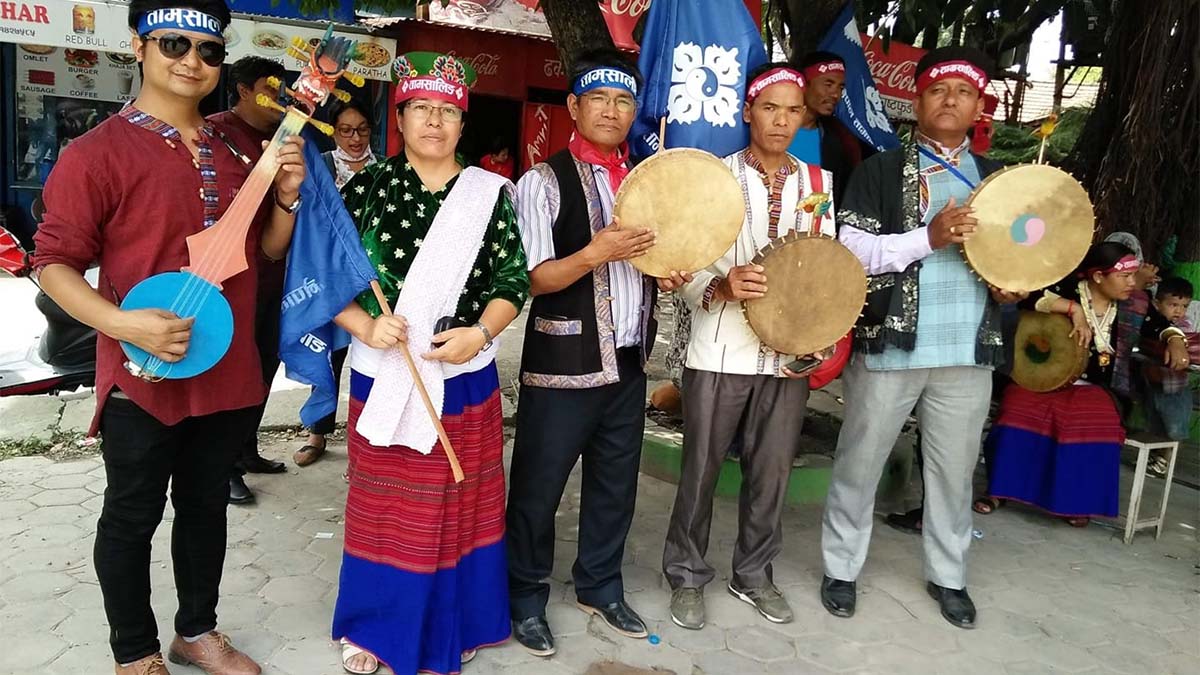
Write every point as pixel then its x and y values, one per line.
pixel 175 46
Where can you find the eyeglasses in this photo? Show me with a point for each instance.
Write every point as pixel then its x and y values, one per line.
pixel 422 112
pixel 347 131
pixel 598 101
pixel 175 46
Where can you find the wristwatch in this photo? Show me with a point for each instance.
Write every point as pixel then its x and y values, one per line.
pixel 289 209
pixel 487 334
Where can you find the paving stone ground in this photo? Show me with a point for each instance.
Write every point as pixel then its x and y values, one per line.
pixel 1051 598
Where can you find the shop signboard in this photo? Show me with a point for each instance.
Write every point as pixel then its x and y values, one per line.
pixel 525 17
pixel 247 37
pixel 84 74
pixel 895 73
pixel 98 26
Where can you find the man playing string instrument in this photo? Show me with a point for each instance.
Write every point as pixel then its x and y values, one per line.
pixel 127 194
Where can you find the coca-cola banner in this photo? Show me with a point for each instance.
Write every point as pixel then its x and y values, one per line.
pixel 498 60
pixel 895 73
pixel 622 17
pixel 545 131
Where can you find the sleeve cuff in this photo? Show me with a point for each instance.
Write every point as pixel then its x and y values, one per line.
pixel 710 292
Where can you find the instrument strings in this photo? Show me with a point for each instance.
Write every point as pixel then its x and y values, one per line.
pixel 198 287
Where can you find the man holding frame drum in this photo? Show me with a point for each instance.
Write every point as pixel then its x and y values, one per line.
pixel 731 374
pixel 929 337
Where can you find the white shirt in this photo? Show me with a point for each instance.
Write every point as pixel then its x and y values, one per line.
pixel 537 209
pixel 722 340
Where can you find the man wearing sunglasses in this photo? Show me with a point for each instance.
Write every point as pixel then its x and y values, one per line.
pixel 247 124
pixel 589 333
pixel 127 194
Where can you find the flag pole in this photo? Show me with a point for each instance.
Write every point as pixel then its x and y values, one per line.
pixel 662 135
pixel 455 467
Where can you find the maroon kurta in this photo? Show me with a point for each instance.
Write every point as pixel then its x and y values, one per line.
pixel 121 196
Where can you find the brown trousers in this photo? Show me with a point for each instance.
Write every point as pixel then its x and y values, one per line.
pixel 769 411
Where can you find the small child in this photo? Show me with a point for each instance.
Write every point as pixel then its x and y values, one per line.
pixel 1168 397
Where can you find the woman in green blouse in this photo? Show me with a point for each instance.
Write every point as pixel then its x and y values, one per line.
pixel 423 580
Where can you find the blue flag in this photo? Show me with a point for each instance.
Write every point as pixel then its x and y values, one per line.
pixel 326 269
pixel 695 57
pixel 861 108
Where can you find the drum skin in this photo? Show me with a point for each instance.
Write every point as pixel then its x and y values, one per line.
pixel 1045 356
pixel 815 293
pixel 1035 226
pixel 693 204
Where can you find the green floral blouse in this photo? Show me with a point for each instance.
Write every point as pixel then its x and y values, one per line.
pixel 393 211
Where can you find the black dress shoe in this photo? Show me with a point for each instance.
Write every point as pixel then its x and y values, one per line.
pixel 534 635
pixel 956 605
pixel 839 597
pixel 908 522
pixel 239 493
pixel 260 464
pixel 620 617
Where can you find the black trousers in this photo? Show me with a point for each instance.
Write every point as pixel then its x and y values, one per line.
pixel 141 456
pixel 266 337
pixel 555 427
pixel 328 423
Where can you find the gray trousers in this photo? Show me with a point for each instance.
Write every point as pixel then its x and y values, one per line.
pixel 952 404
pixel 771 411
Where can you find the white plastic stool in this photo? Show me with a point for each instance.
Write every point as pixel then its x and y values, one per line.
pixel 1144 444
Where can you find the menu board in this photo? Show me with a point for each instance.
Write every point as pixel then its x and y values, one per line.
pixel 77 73
pixel 271 40
pixel 82 24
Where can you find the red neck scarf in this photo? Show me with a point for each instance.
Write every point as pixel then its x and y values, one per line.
pixel 614 162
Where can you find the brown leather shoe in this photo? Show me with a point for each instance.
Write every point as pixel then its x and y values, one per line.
pixel 150 665
pixel 214 654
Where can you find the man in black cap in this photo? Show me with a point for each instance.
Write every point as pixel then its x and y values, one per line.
pixel 929 336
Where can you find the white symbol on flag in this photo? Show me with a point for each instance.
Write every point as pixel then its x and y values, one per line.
pixel 704 84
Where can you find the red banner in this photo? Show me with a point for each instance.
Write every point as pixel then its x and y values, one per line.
pixel 622 17
pixel 545 131
pixel 895 73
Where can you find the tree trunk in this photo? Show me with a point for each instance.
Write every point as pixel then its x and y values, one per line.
pixel 576 25
pixel 807 21
pixel 1139 153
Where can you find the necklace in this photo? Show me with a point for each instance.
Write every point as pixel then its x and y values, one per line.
pixel 1101 324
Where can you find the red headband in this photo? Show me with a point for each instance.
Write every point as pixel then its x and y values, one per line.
pixel 963 70
pixel 824 67
pixel 1128 263
pixel 428 86
pixel 773 76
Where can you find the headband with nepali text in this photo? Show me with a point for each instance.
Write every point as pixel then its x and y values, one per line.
pixel 823 68
pixel 179 18
pixel 963 70
pixel 598 78
pixel 1127 263
pixel 773 76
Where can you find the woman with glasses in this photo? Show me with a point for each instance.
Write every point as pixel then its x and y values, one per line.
pixel 423 580
pixel 352 134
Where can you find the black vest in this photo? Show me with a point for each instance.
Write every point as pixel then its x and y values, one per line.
pixel 569 336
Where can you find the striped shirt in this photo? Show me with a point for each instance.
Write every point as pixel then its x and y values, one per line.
pixel 537 209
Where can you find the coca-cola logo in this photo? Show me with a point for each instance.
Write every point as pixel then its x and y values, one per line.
pixel 484 63
pixel 633 8
pixel 893 75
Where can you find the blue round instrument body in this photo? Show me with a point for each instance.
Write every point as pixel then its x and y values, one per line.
pixel 186 295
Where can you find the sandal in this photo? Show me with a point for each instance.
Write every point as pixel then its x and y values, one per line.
pixel 985 505
pixel 1158 467
pixel 349 651
pixel 467 656
pixel 1081 521
pixel 307 455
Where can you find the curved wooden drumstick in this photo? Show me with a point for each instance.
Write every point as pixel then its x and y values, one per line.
pixel 436 418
